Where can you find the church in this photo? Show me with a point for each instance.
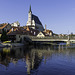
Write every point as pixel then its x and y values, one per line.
pixel 34 22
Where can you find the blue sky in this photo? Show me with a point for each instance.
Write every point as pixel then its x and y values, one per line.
pixel 58 15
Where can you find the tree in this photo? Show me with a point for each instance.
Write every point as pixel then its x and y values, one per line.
pixel 4 36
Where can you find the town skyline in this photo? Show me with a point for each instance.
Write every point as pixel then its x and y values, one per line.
pixel 58 15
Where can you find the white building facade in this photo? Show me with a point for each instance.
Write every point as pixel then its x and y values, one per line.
pixel 15 24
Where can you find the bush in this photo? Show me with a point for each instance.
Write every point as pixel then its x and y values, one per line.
pixel 4 36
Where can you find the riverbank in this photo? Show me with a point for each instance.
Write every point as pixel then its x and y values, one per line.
pixel 10 45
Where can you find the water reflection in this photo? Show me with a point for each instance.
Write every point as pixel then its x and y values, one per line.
pixel 33 57
pixel 12 55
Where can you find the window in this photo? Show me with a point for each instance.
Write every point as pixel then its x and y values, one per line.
pixel 34 33
pixel 31 31
pixel 40 34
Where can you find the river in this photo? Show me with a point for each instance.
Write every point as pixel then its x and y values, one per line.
pixel 38 60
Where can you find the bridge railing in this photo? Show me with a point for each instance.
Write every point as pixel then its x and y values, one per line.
pixel 51 37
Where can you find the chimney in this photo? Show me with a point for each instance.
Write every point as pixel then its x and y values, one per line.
pixel 45 27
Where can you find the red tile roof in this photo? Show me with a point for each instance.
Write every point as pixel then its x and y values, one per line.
pixel 3 25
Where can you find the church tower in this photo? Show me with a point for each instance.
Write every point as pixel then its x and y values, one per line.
pixel 33 21
pixel 29 17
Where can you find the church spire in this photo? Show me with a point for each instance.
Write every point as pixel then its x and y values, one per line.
pixel 30 9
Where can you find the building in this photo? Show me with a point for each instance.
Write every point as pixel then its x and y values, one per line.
pixel 15 24
pixel 31 31
pixel 18 34
pixel 41 35
pixel 48 32
pixel 5 26
pixel 34 22
pixel 15 34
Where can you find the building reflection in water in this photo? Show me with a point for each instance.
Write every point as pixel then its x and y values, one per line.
pixel 32 56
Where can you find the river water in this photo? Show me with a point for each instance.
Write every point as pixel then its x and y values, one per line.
pixel 38 60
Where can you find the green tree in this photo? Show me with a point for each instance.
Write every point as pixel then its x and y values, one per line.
pixel 4 36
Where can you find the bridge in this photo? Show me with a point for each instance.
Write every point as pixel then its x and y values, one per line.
pixel 53 39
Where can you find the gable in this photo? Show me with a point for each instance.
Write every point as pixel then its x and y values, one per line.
pixel 40 35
